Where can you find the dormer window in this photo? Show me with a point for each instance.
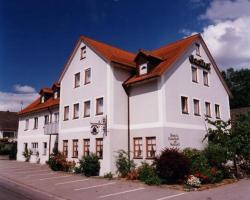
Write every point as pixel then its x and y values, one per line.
pixel 197 49
pixel 55 95
pixel 42 99
pixel 143 69
pixel 83 52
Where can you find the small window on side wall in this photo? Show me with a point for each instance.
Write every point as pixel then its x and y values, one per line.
pixel 86 112
pixel 194 74
pixel 205 78
pixel 77 80
pixel 83 52
pixel 66 113
pixel 99 106
pixel 208 109
pixel 197 49
pixel 184 105
pixel 196 107
pixel 217 111
pixel 87 76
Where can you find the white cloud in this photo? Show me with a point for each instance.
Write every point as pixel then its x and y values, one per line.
pixel 24 89
pixel 228 37
pixel 225 9
pixel 14 101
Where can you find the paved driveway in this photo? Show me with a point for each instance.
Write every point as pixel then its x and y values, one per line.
pixel 32 181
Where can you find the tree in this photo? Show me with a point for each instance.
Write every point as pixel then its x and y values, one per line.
pixel 235 139
pixel 238 82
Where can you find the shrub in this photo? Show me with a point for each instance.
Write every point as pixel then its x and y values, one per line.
pixel 27 154
pixel 108 175
pixel 197 159
pixel 123 164
pixel 5 149
pixel 90 165
pixel 153 180
pixel 172 165
pixel 13 151
pixel 193 181
pixel 133 175
pixel 148 175
pixel 215 154
pixel 58 162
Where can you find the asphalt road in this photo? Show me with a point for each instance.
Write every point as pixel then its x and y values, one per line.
pixel 25 181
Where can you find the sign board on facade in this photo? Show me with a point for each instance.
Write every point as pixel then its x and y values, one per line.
pixel 174 140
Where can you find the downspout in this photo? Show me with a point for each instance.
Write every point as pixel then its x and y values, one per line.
pixel 50 134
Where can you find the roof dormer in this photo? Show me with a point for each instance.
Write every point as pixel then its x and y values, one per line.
pixel 143 69
pixel 45 94
pixel 56 90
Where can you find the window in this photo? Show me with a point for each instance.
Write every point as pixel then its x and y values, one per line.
pixel 194 75
pixel 143 69
pixel 217 111
pixel 35 122
pixel 66 113
pixel 197 49
pixel 205 78
pixel 86 145
pixel 87 76
pixel 99 147
pixel 55 95
pixel 86 109
pixel 137 147
pixel 75 149
pixel 76 111
pixel 65 148
pixel 56 117
pixel 208 109
pixel 42 99
pixel 99 106
pixel 151 147
pixel 25 146
pixel 46 119
pixel 184 105
pixel 196 107
pixel 83 52
pixel 34 148
pixel 77 80
pixel 44 148
pixel 26 124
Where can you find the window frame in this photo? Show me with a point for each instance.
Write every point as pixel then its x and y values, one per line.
pixel 199 112
pixel 65 148
pixel 217 112
pixel 152 145
pixel 97 110
pixel 66 108
pixel 83 52
pixel 209 106
pixel 75 148
pixel 26 124
pixel 75 113
pixel 196 74
pixel 76 85
pixel 46 119
pixel 35 123
pixel 45 149
pixel 186 105
pixel 97 146
pixel 136 154
pixel 86 147
pixel 197 49
pixel 85 76
pixel 34 149
pixel 84 108
pixel 205 78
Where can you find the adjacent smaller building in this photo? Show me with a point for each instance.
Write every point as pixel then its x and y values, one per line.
pixel 8 124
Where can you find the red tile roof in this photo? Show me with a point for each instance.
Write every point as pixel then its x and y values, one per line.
pixel 46 90
pixel 38 106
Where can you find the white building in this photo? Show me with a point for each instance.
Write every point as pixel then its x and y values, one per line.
pixel 111 99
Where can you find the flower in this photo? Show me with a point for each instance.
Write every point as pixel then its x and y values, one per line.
pixel 193 181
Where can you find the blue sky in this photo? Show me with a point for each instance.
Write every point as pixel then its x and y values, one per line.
pixel 37 36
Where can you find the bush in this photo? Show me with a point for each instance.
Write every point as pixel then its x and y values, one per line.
pixel 27 154
pixel 198 162
pixel 172 165
pixel 58 162
pixel 215 154
pixel 108 175
pixel 90 165
pixel 123 164
pixel 5 149
pixel 13 151
pixel 148 175
pixel 153 180
pixel 133 175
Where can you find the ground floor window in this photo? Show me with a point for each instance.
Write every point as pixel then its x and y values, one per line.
pixel 34 149
pixel 138 147
pixel 151 147
pixel 65 148
pixel 44 148
pixel 75 149
pixel 86 145
pixel 99 147
pixel 8 134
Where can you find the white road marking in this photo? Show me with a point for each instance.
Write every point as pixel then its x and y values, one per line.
pixel 80 180
pixel 169 197
pixel 118 193
pixel 42 179
pixel 39 174
pixel 95 186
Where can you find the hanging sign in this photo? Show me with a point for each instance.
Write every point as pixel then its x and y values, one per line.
pixel 199 62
